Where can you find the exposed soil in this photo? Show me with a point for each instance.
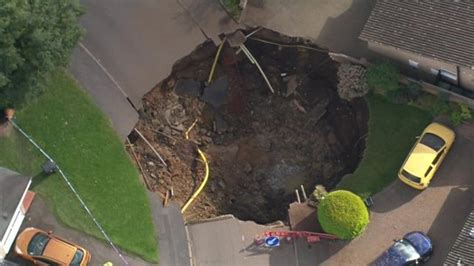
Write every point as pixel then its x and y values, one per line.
pixel 260 146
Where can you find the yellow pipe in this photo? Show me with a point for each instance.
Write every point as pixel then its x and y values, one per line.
pixel 213 68
pixel 206 176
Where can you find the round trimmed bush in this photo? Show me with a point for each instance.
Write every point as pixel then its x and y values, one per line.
pixel 344 214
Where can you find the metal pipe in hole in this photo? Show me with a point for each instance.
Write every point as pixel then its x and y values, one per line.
pixel 304 193
pixel 298 196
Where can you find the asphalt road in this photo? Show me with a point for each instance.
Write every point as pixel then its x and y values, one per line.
pixel 139 41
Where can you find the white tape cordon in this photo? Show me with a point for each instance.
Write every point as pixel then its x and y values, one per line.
pixel 83 204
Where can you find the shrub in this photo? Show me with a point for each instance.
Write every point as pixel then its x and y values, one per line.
pixel 466 113
pixel 461 114
pixel 343 214
pixel 383 77
pixel 440 106
pixel 456 118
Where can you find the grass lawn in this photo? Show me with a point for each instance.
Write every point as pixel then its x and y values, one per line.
pixel 69 126
pixel 392 132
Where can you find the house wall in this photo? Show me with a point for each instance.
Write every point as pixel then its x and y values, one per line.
pixel 9 237
pixel 425 65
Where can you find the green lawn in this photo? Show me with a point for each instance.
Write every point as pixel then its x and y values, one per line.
pixel 392 132
pixel 69 126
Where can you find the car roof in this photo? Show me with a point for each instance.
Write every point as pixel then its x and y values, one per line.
pixel 59 251
pixel 421 242
pixel 419 160
pixel 390 257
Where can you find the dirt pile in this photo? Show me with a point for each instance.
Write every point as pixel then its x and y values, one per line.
pixel 261 146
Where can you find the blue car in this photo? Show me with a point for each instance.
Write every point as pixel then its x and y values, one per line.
pixel 413 249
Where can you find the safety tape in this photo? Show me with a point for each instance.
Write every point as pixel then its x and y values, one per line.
pixel 83 204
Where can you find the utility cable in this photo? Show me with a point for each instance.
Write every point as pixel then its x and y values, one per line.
pixel 206 175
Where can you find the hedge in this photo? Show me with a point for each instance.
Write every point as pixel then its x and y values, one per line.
pixel 344 214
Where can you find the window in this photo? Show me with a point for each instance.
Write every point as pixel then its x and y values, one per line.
pixel 428 171
pixel 76 261
pixel 412 63
pixel 432 141
pixel 47 262
pixel 436 159
pixel 448 76
pixel 38 244
pixel 411 177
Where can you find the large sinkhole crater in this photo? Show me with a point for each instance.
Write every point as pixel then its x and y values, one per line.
pixel 261 146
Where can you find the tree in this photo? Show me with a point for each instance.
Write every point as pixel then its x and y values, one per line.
pixel 36 36
pixel 344 214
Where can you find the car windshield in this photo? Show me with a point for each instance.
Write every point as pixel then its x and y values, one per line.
pixel 38 244
pixel 76 261
pixel 411 177
pixel 432 141
pixel 406 250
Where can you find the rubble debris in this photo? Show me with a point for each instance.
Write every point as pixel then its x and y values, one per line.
pixel 292 84
pixel 188 87
pixel 351 81
pixel 151 146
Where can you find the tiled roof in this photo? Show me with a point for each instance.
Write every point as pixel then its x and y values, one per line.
pixel 442 30
pixel 463 249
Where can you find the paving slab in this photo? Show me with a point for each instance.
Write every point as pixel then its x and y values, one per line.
pixel 104 92
pixel 230 242
pixel 335 25
pixel 211 18
pixel 172 235
pixel 139 41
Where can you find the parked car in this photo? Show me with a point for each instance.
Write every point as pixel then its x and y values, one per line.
pixel 414 248
pixel 43 248
pixel 426 156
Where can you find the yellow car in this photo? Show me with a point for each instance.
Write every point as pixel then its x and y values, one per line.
pixel 426 156
pixel 43 248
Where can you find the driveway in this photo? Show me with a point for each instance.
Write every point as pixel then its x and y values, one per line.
pixel 39 216
pixel 440 211
pixel 335 25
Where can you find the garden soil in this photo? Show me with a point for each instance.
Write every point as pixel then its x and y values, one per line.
pixel 260 146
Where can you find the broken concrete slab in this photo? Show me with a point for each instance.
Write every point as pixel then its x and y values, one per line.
pixel 303 217
pixel 236 39
pixel 216 93
pixel 211 18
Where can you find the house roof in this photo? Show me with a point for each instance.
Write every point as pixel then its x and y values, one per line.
pixel 463 247
pixel 12 188
pixel 442 30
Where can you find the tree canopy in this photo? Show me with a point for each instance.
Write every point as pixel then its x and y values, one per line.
pixel 36 36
